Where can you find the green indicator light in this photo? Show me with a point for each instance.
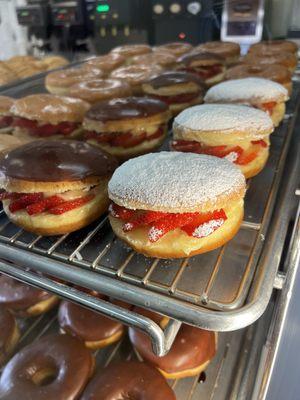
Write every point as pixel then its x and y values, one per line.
pixel 102 8
pixel 24 13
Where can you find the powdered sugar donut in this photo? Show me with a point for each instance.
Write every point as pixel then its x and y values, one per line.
pixel 261 93
pixel 173 204
pixel 235 132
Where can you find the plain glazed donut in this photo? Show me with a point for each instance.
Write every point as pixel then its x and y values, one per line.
pixel 128 380
pixel 276 73
pixel 106 63
pixel 131 50
pixel 235 132
pixel 100 89
pixel 9 334
pixel 59 82
pixel 228 50
pixel 276 46
pixel 175 48
pixel 54 367
pixel 173 205
pixel 55 187
pixel 288 60
pixel 24 300
pixel 162 58
pixel 260 93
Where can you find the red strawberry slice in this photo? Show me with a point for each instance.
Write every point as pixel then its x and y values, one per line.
pixel 5 121
pixel 186 146
pixel 127 139
pixel 44 204
pixel 100 137
pixel 269 106
pixel 246 157
pixel 143 218
pixel 10 195
pixel 70 205
pixel 160 131
pixel 24 201
pixel 260 142
pixel 120 212
pixel 202 219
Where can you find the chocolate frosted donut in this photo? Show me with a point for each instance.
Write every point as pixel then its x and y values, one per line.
pixel 94 329
pixel 24 300
pixel 189 355
pixel 127 127
pixel 100 89
pixel 54 367
pixel 128 380
pixel 55 187
pixel 9 334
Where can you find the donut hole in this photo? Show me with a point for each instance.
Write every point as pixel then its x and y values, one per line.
pixel 44 376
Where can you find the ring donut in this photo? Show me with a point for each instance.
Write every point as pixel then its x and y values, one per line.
pixel 162 58
pixel 106 63
pixel 173 205
pixel 175 48
pixel 128 380
pixel 275 46
pixel 230 51
pixel 131 50
pixel 9 334
pixel 54 367
pixel 288 60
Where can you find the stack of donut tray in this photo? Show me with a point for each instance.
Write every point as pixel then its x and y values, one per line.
pixel 223 290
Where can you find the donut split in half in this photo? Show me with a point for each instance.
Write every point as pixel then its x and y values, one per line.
pixel 127 127
pixel 55 187
pixel 260 93
pixel 46 116
pixel 172 204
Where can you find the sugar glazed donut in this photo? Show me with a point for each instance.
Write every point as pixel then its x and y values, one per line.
pixel 100 89
pixel 228 50
pixel 6 118
pixel 96 330
pixel 209 67
pixel 24 300
pixel 178 89
pixel 260 93
pixel 175 48
pixel 59 82
pixel 173 205
pixel 276 73
pixel 55 187
pixel 9 334
pixel 288 60
pixel 105 63
pixel 163 58
pixel 54 367
pixel 128 380
pixel 48 116
pixel 190 354
pixel 127 127
pixel 131 50
pixel 276 46
pixel 237 133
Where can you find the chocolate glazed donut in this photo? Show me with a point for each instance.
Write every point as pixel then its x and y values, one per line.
pixel 55 367
pixel 128 380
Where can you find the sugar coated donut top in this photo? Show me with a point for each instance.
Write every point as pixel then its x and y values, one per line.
pixel 176 182
pixel 247 89
pixel 227 118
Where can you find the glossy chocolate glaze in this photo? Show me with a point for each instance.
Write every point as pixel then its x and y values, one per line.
pixel 128 380
pixel 171 78
pixel 191 348
pixel 85 324
pixel 18 296
pixel 70 361
pixel 56 161
pixel 126 108
pixel 7 327
pixel 188 59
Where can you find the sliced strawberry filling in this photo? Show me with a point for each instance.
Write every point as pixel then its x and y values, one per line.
pixel 178 99
pixel 269 107
pixel 36 203
pixel 235 154
pixel 205 71
pixel 45 130
pixel 124 139
pixel 5 121
pixel 195 224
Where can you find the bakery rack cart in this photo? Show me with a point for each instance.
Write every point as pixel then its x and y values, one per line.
pixel 224 290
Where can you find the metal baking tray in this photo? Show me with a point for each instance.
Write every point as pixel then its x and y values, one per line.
pixel 222 290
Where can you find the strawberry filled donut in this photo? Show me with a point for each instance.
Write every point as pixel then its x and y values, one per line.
pixel 55 187
pixel 46 116
pixel 237 133
pixel 260 93
pixel 6 118
pixel 173 205
pixel 127 127
pixel 208 66
pixel 178 89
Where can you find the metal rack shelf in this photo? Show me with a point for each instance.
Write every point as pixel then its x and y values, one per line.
pixel 222 290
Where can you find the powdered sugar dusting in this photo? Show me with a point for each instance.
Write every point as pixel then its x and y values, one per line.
pixel 232 156
pixel 208 228
pixel 246 89
pixel 225 117
pixel 174 180
pixel 154 234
